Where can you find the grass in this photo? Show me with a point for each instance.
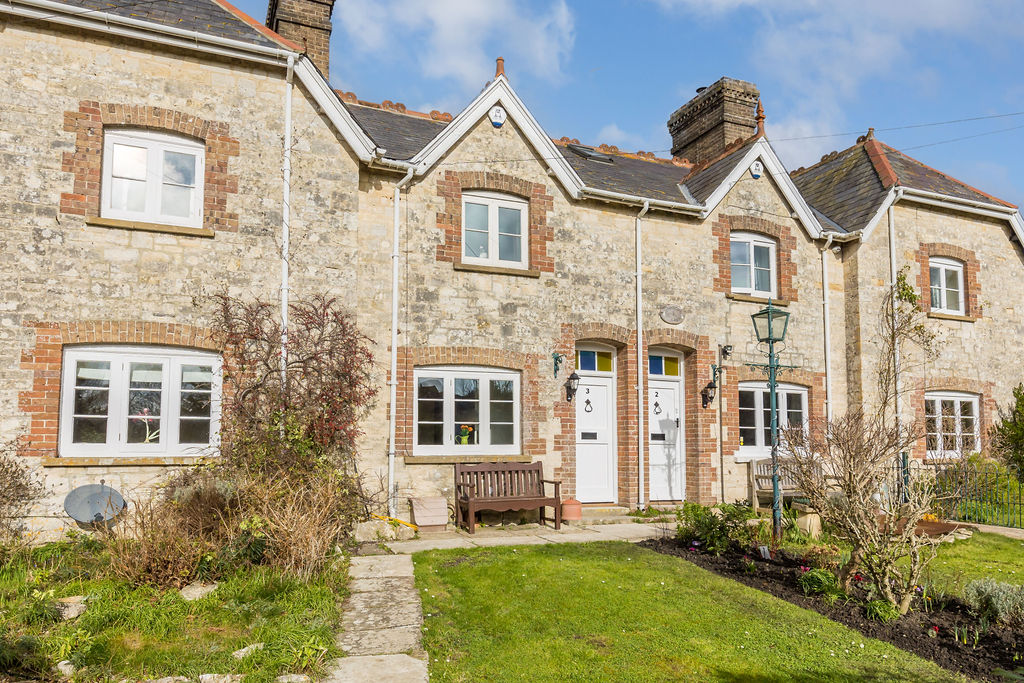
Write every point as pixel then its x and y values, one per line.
pixel 981 556
pixel 616 612
pixel 138 632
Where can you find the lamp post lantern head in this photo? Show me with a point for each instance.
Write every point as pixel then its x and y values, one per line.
pixel 571 385
pixel 770 324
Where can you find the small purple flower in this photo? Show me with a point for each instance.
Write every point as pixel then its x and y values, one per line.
pixel 695 543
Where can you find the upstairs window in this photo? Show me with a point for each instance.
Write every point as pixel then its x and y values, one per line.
pixel 152 177
pixel 139 401
pixel 951 424
pixel 494 230
pixel 755 415
pixel 466 411
pixel 947 285
pixel 752 259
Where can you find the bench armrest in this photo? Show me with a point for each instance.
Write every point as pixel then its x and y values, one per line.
pixel 469 488
pixel 558 485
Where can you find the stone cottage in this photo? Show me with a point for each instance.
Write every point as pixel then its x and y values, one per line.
pixel 158 151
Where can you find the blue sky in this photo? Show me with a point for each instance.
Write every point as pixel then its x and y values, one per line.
pixel 613 72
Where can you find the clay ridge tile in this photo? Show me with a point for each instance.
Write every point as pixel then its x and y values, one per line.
pixel 396 107
pixel 880 162
pixel 612 149
pixel 273 35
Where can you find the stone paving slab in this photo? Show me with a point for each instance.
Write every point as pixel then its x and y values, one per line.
pixel 377 566
pixel 442 540
pixel 530 536
pixel 382 609
pixel 384 583
pixel 506 540
pixel 399 639
pixel 377 668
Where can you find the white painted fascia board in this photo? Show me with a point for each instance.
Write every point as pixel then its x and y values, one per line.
pixel 620 198
pixel 890 197
pixel 499 91
pixel 329 102
pixel 128 27
pixel 763 151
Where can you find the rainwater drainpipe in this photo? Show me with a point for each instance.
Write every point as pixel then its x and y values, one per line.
pixel 640 354
pixel 286 217
pixel 393 384
pixel 892 284
pixel 826 320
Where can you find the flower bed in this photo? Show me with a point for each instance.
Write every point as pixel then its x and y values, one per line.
pixel 936 634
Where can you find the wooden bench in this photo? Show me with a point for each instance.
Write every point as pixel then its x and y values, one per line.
pixel 761 481
pixel 501 487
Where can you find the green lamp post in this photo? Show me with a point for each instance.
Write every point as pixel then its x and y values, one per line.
pixel 770 327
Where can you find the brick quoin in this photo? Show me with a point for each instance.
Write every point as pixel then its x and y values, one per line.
pixel 987 408
pixel 449 221
pixel 86 162
pixel 44 359
pixel 785 267
pixel 972 286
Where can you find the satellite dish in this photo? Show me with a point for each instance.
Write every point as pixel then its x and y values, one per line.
pixel 95 505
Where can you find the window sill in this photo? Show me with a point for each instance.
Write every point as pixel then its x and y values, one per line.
pixel 496 270
pixel 126 461
pixel 149 227
pixel 463 459
pixel 757 300
pixel 951 316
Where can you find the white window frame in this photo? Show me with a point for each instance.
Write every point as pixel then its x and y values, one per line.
pixel 483 375
pixel 946 265
pixel 156 144
pixel 959 398
pixel 494 201
pixel 748 452
pixel 755 239
pixel 120 358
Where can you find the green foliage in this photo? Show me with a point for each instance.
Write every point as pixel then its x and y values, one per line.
pixel 711 530
pixel 818 582
pixel 881 610
pixel 1008 431
pixel 995 600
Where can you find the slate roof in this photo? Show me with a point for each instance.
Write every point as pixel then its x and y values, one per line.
pixel 402 135
pixel 630 175
pixel 702 182
pixel 850 186
pixel 212 17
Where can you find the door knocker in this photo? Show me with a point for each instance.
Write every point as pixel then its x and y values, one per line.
pixel 657 408
pixel 587 408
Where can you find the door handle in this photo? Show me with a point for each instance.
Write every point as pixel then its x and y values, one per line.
pixel 677 423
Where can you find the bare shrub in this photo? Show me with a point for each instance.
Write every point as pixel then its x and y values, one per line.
pixel 20 487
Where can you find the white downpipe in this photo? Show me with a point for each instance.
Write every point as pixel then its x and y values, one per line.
pixel 641 433
pixel 393 384
pixel 286 216
pixel 892 284
pixel 826 321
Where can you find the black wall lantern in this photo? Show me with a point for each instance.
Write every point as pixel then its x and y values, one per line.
pixel 571 385
pixel 707 394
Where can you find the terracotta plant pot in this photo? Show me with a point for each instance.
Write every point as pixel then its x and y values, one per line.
pixel 572 510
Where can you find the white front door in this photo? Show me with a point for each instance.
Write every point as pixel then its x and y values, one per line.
pixel 664 422
pixel 595 440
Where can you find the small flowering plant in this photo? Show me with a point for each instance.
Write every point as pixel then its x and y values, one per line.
pixel 933 632
pixel 464 435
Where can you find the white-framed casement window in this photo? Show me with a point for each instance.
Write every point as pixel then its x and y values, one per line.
pixel 947 285
pixel 951 424
pixel 755 413
pixel 139 401
pixel 152 177
pixel 495 230
pixel 752 259
pixel 465 410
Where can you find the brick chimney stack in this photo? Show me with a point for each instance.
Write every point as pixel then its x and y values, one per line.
pixel 306 22
pixel 703 127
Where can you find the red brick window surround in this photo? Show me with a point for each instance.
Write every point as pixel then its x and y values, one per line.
pixel 785 247
pixel 451 186
pixel 972 268
pixel 44 360
pixel 987 407
pixel 86 161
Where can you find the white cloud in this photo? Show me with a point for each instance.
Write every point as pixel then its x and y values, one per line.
pixel 611 134
pixel 824 53
pixel 459 39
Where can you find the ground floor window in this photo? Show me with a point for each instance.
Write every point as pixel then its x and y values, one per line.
pixel 755 415
pixel 951 423
pixel 466 411
pixel 138 400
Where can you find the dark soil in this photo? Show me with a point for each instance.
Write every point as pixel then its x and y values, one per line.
pixel 996 648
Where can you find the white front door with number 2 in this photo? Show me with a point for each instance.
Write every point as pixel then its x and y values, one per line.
pixel 664 421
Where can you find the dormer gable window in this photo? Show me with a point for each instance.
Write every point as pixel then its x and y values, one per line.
pixel 752 260
pixel 946 278
pixel 495 230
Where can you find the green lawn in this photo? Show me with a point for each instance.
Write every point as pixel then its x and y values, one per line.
pixel 140 632
pixel 616 612
pixel 981 556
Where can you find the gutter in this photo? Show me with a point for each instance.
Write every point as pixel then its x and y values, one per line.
pixel 641 430
pixel 607 195
pixel 393 384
